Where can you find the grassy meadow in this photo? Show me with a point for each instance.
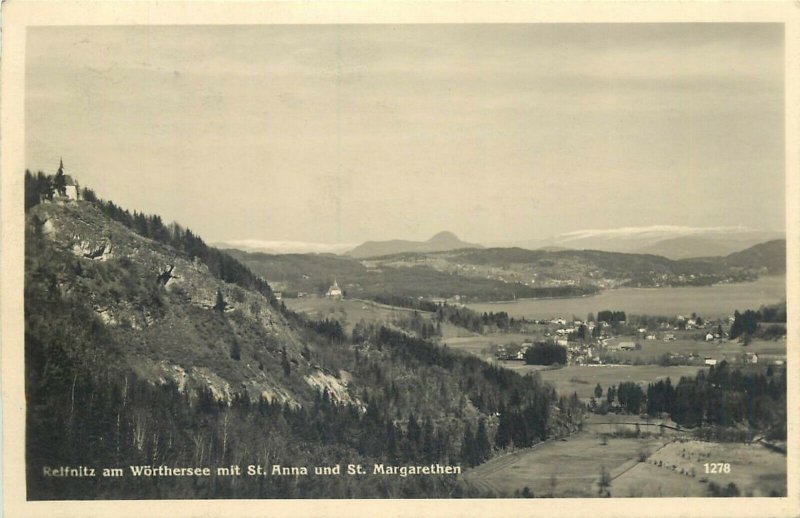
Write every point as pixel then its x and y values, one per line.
pixel 652 350
pixel 347 311
pixel 678 469
pixel 567 468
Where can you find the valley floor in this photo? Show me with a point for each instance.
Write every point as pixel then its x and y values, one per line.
pixel 673 466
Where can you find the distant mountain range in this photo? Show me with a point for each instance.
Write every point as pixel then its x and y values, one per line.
pixel 441 242
pixel 670 241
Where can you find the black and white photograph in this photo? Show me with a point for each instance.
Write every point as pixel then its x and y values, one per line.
pixel 516 261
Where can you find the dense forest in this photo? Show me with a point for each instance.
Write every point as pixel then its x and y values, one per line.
pixel 724 403
pixel 750 323
pixel 409 401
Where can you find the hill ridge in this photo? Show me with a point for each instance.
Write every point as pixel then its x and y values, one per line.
pixel 439 242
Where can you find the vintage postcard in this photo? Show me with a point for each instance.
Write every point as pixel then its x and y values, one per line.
pixel 358 258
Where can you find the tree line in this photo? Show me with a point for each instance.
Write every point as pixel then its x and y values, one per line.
pixel 546 353
pixel 746 324
pixel 725 397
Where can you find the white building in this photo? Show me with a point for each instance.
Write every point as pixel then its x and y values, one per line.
pixel 70 189
pixel 334 292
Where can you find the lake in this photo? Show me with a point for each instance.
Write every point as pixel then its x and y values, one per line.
pixel 709 301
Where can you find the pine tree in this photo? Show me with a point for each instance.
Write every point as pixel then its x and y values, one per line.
pixel 503 437
pixel 483 449
pixel 414 437
pixel 468 448
pixel 60 181
pixel 220 303
pixel 236 350
pixel 287 367
pixel 428 441
pixel 604 482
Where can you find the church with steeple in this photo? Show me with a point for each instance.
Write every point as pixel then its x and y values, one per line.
pixel 334 292
pixel 65 186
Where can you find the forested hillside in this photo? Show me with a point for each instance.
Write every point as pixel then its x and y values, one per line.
pixel 492 274
pixel 146 347
pixel 313 274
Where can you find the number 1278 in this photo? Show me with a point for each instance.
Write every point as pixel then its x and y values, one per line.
pixel 717 467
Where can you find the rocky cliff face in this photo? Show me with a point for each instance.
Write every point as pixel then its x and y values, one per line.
pixel 158 307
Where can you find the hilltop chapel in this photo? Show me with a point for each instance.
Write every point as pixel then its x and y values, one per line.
pixel 66 187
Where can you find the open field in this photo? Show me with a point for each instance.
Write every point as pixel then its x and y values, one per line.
pixel 709 301
pixel 571 468
pixel 755 470
pixel 582 379
pixel 350 311
pixel 574 465
pixel 653 349
pixel 347 311
pixel 479 344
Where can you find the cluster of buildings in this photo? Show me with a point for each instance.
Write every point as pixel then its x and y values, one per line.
pixel 511 352
pixel 455 300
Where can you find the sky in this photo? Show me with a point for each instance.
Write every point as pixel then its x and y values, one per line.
pixel 337 134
